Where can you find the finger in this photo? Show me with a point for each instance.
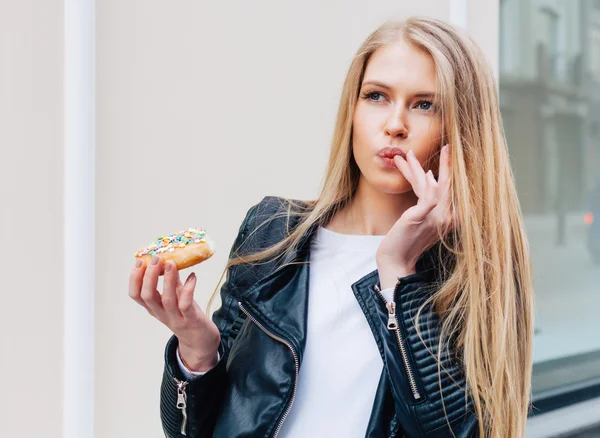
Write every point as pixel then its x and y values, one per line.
pixel 417 171
pixel 135 282
pixel 169 295
pixel 150 294
pixel 444 181
pixel 179 286
pixel 186 301
pixel 427 202
pixel 444 177
pixel 431 180
pixel 444 171
pixel 135 285
pixel 441 209
pixel 446 216
pixel 432 188
pixel 404 167
pixel 418 213
pixel 152 313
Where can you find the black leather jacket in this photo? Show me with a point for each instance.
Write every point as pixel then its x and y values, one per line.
pixel 262 321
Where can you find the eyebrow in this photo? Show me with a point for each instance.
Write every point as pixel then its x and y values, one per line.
pixel 420 94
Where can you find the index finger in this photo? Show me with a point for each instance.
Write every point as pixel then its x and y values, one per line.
pixel 150 294
pixel 135 284
pixel 135 280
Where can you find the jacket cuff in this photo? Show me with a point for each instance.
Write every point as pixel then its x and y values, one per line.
pixel 189 374
pixel 174 366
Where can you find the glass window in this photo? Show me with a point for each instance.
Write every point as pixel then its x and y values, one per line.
pixel 550 103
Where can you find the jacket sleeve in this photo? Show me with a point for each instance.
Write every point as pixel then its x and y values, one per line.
pixel 189 407
pixel 422 351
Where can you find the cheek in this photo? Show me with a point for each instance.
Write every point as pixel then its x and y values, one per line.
pixel 427 129
pixel 427 139
pixel 363 132
pixel 358 137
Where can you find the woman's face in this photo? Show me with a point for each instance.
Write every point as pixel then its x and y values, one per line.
pixel 396 108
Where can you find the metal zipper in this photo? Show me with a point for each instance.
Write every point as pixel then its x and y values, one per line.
pixel 393 325
pixel 182 402
pixel 289 345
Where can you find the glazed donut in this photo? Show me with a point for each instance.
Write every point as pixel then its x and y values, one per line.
pixel 186 248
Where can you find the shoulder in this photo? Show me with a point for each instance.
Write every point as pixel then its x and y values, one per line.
pixel 266 223
pixel 270 221
pixel 275 212
pixel 274 204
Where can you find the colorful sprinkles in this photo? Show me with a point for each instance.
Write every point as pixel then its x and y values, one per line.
pixel 171 242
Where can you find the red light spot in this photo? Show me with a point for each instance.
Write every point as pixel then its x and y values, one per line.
pixel 588 219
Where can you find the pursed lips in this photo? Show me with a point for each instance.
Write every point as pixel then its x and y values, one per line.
pixel 391 152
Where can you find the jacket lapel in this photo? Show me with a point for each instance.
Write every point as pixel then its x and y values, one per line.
pixel 279 300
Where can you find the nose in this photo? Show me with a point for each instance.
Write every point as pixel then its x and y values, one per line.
pixel 395 125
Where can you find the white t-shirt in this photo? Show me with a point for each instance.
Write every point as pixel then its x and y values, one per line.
pixel 341 364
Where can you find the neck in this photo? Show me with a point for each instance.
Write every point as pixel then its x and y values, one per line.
pixel 371 212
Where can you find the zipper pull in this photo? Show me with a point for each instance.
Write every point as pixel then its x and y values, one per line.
pixel 391 325
pixel 182 404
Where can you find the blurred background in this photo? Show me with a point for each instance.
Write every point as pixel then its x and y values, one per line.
pixel 124 120
pixel 550 100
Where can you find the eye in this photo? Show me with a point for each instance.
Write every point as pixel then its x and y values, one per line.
pixel 373 96
pixel 425 105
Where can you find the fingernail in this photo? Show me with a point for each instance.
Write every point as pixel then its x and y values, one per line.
pixel 411 153
pixel 154 261
pixel 138 263
pixel 168 267
pixel 193 276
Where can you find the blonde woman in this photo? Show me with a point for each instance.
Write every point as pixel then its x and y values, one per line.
pixel 398 303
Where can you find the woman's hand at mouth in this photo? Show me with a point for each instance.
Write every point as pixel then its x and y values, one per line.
pixel 417 229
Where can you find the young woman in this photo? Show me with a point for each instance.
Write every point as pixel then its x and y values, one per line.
pixel 416 318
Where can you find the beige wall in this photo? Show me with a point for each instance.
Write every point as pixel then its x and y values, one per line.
pixel 202 108
pixel 31 210
pixel 483 25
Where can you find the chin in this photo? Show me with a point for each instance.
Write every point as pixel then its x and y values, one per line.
pixel 395 185
pixel 394 190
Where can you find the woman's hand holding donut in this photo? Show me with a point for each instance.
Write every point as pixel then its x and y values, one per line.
pixel 416 230
pixel 176 308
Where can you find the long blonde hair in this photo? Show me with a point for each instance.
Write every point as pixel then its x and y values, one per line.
pixel 486 302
